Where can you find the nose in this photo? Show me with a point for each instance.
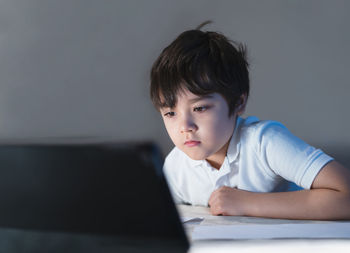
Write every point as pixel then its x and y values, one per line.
pixel 188 125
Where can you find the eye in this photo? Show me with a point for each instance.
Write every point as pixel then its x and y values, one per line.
pixel 169 114
pixel 200 108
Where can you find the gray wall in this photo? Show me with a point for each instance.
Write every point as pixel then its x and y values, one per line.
pixel 80 69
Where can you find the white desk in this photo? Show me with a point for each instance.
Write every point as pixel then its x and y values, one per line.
pixel 241 246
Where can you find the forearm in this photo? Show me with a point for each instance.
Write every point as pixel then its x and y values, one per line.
pixel 328 199
pixel 318 204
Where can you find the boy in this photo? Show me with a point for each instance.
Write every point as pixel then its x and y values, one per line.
pixel 237 166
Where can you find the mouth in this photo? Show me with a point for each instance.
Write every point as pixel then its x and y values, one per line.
pixel 192 143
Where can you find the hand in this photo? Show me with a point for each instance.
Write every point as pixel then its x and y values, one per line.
pixel 227 201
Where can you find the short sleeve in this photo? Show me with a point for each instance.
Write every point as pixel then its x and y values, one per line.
pixel 287 155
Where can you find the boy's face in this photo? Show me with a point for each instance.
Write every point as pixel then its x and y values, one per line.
pixel 200 126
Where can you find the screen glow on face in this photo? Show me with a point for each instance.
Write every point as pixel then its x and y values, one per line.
pixel 200 125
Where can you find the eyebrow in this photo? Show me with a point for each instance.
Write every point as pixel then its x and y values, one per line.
pixel 194 100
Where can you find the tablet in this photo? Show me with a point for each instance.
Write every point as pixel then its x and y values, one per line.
pixel 107 197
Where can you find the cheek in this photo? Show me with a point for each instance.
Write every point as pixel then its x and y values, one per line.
pixel 171 130
pixel 219 128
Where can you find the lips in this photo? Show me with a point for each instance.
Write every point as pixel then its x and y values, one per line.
pixel 192 143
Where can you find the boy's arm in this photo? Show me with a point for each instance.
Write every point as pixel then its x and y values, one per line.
pixel 328 199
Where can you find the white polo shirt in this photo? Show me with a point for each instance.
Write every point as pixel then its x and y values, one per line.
pixel 261 156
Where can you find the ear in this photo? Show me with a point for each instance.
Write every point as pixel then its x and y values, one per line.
pixel 241 104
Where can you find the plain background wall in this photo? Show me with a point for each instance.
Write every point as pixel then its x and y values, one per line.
pixel 79 70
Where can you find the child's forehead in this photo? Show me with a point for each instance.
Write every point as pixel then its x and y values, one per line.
pixel 191 97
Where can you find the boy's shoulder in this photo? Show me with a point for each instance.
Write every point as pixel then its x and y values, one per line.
pixel 266 138
pixel 253 134
pixel 253 127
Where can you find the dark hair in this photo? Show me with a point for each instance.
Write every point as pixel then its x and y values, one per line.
pixel 203 63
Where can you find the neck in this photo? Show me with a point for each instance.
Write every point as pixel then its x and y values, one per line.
pixel 217 159
pixel 215 163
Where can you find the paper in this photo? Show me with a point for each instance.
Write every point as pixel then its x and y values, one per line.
pixel 310 230
pixel 189 219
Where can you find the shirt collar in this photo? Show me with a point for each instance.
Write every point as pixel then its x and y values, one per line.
pixel 195 163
